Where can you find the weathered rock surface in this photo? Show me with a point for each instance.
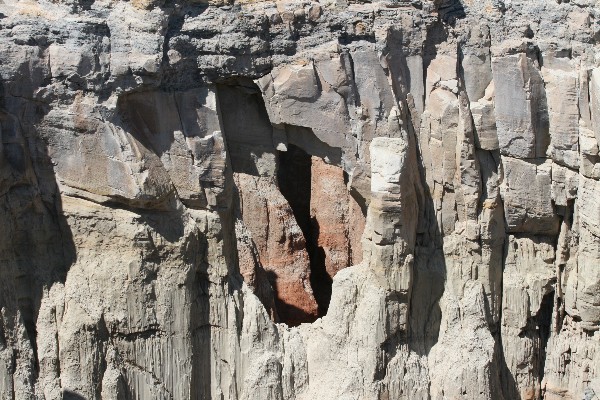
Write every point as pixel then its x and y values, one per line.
pixel 299 199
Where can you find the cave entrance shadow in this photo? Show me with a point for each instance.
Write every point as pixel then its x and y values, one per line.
pixel 320 280
pixel 250 139
pixel 70 395
pixel 295 183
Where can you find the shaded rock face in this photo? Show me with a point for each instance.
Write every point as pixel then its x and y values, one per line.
pixel 299 200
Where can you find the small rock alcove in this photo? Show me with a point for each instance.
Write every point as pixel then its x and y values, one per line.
pixel 297 224
pixel 331 220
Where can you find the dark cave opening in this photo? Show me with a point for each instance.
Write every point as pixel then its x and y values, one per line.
pixel 544 325
pixel 309 176
pixel 294 177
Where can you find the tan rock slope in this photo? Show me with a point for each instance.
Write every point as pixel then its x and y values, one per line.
pixel 300 199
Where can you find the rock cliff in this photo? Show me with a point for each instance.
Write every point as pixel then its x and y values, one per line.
pixel 299 199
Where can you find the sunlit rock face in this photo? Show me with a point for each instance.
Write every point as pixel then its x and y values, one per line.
pixel 299 200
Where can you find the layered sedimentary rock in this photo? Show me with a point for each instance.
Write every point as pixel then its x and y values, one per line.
pixel 299 199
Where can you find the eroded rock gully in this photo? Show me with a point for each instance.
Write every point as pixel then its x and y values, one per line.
pixel 299 199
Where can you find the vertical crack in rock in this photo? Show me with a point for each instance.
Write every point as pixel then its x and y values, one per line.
pixel 331 220
pixel 294 179
pixel 544 325
pixel 297 225
pixel 271 243
pixel 337 223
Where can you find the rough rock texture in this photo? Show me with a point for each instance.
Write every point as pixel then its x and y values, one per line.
pixel 299 199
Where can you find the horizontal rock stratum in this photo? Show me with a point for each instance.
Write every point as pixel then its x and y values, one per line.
pixel 299 200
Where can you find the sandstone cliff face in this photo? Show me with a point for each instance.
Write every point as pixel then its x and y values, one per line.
pixel 299 199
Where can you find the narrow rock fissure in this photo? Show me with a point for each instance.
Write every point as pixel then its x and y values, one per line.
pixel 330 219
pixel 294 179
pixel 544 324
